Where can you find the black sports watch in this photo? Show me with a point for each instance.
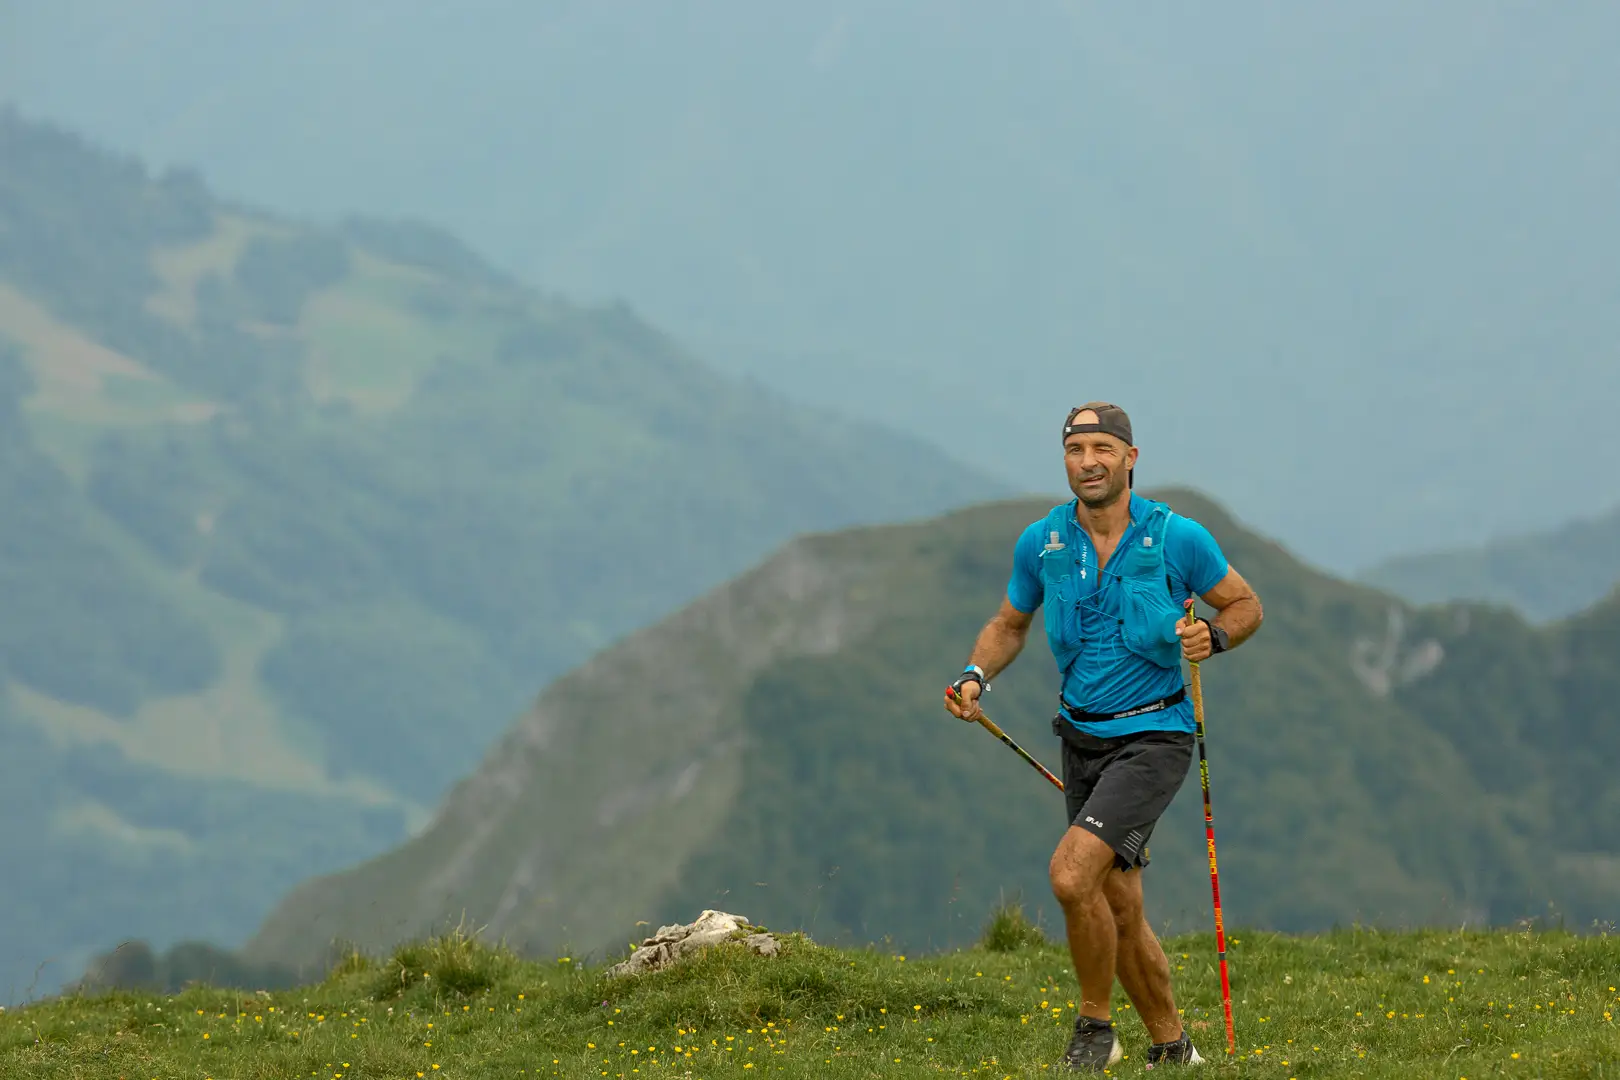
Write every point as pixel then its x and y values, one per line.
pixel 1219 639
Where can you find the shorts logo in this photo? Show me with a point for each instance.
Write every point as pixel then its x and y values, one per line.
pixel 1093 821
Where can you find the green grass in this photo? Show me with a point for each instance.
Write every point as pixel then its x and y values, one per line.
pixel 370 347
pixel 1352 1003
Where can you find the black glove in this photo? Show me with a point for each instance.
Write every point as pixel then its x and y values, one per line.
pixel 973 673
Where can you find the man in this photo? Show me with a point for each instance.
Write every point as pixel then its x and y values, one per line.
pixel 1114 571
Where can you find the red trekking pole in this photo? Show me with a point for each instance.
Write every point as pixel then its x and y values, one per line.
pixel 1209 841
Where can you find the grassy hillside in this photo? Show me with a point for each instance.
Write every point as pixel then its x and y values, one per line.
pixel 297 518
pixel 1546 575
pixel 778 747
pixel 1354 1003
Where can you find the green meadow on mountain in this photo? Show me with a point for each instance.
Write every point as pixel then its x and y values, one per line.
pixel 298 518
pixel 778 748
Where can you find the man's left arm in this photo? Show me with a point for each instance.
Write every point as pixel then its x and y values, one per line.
pixel 1206 571
pixel 1237 614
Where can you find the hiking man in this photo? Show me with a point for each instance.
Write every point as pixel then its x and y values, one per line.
pixel 1114 571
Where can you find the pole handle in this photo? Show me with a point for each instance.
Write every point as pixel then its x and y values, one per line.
pixel 1195 683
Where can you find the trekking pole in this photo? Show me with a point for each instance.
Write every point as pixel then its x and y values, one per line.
pixel 1209 840
pixel 1004 737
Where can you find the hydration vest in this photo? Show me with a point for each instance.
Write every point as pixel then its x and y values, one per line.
pixel 1148 613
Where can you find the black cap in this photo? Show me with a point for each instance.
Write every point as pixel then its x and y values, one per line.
pixel 1111 420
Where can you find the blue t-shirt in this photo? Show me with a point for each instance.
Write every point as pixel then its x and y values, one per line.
pixel 1107 677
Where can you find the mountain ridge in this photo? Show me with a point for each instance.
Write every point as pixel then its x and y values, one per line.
pixel 1548 574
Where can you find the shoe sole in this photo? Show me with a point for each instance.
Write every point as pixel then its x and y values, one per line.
pixel 1194 1060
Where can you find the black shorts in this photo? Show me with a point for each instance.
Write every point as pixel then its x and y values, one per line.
pixel 1116 788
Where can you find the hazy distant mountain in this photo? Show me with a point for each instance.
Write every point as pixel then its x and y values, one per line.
pixel 1546 575
pixel 1330 255
pixel 295 519
pixel 778 748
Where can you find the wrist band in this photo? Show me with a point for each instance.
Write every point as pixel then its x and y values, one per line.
pixel 1219 641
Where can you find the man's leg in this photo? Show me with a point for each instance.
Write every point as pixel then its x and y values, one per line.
pixel 1143 968
pixel 1080 866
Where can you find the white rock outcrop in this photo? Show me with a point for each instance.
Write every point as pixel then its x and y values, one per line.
pixel 671 943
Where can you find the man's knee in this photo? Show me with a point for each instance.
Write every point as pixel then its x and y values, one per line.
pixel 1078 868
pixel 1071 886
pixel 1123 891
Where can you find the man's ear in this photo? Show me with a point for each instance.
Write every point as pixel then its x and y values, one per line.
pixel 1130 458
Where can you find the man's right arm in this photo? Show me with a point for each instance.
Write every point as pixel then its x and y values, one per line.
pixel 998 644
pixel 1003 636
pixel 1002 639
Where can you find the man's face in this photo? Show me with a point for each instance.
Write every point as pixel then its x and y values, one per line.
pixel 1099 465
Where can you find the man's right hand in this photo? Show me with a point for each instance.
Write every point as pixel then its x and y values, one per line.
pixel 967 706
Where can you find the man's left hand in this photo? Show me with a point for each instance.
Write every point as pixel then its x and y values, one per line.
pixel 1195 645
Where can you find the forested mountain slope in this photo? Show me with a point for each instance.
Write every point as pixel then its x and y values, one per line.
pixel 296 519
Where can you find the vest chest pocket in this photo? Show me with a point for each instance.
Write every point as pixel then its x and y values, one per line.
pixel 1058 575
pixel 1150 621
pixel 1150 613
